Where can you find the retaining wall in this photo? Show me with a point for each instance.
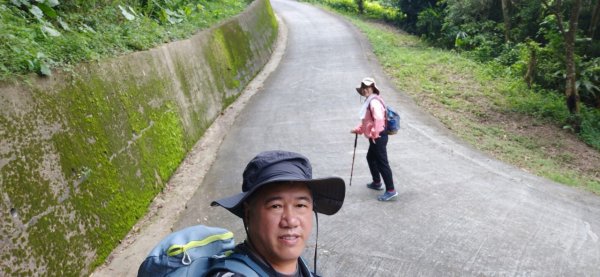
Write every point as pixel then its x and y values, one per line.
pixel 83 153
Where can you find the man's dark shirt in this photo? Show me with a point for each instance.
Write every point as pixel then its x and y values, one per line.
pixel 243 248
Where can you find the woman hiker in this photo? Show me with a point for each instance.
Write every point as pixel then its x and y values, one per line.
pixel 372 126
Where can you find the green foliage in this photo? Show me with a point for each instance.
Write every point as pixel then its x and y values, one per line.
pixel 551 61
pixel 471 11
pixel 430 22
pixel 590 127
pixel 377 10
pixel 525 19
pixel 588 82
pixel 483 40
pixel 547 105
pixel 41 35
pixel 412 9
pixel 541 104
pixel 374 10
pixel 477 27
pixel 508 55
pixel 343 5
pixel 360 4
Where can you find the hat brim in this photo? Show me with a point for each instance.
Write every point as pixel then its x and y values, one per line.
pixel 328 195
pixel 375 89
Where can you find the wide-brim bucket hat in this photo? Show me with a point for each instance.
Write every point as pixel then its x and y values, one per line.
pixel 368 82
pixel 283 166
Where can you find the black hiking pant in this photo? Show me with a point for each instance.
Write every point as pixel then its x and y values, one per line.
pixel 378 161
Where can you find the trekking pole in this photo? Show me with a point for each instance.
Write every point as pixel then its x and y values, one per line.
pixel 353 154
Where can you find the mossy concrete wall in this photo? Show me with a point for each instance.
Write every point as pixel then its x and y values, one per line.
pixel 83 153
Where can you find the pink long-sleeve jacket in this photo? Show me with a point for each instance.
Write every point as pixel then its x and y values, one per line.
pixel 374 121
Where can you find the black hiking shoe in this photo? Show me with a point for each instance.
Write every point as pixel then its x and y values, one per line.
pixel 375 186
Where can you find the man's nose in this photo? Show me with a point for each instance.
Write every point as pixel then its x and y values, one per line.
pixel 289 218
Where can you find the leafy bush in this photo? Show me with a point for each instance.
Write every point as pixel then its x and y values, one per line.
pixel 524 54
pixel 482 40
pixel 509 54
pixel 547 104
pixel 374 10
pixel 411 11
pixel 343 5
pixel 39 35
pixel 588 81
pixel 538 103
pixel 430 22
pixel 590 127
pixel 371 9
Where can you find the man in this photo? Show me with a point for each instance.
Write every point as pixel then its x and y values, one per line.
pixel 276 205
pixel 372 126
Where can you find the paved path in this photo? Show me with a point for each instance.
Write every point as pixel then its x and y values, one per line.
pixel 459 212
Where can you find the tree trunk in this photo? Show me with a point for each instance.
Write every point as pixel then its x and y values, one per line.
pixel 571 93
pixel 531 65
pixel 506 15
pixel 594 20
pixel 361 6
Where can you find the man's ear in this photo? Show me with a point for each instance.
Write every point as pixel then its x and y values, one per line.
pixel 246 212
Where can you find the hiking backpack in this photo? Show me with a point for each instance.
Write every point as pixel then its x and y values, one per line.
pixel 195 251
pixel 392 118
pixel 392 121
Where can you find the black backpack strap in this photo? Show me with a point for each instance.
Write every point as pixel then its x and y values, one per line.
pixel 304 268
pixel 238 263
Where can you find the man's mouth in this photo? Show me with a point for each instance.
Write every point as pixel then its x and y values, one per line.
pixel 290 238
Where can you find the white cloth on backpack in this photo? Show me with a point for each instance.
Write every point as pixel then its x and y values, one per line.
pixel 365 106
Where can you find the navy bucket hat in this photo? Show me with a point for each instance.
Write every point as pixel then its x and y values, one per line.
pixel 282 166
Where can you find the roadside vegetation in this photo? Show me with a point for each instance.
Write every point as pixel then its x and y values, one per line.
pixel 42 35
pixel 481 92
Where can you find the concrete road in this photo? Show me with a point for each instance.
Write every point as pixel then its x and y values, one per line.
pixel 459 212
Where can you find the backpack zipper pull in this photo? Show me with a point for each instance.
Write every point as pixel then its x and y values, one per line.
pixel 186 260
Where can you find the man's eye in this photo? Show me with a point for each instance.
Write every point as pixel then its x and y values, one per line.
pixel 302 205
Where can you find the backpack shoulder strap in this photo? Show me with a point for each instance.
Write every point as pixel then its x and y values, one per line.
pixel 238 263
pixel 379 99
pixel 382 103
pixel 384 107
pixel 304 268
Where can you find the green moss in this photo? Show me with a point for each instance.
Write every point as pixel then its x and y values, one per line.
pixel 228 101
pixel 198 112
pixel 109 159
pixel 181 72
pixel 228 56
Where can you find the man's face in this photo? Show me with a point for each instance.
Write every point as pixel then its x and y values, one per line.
pixel 280 221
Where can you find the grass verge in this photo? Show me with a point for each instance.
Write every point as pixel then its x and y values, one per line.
pixel 75 32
